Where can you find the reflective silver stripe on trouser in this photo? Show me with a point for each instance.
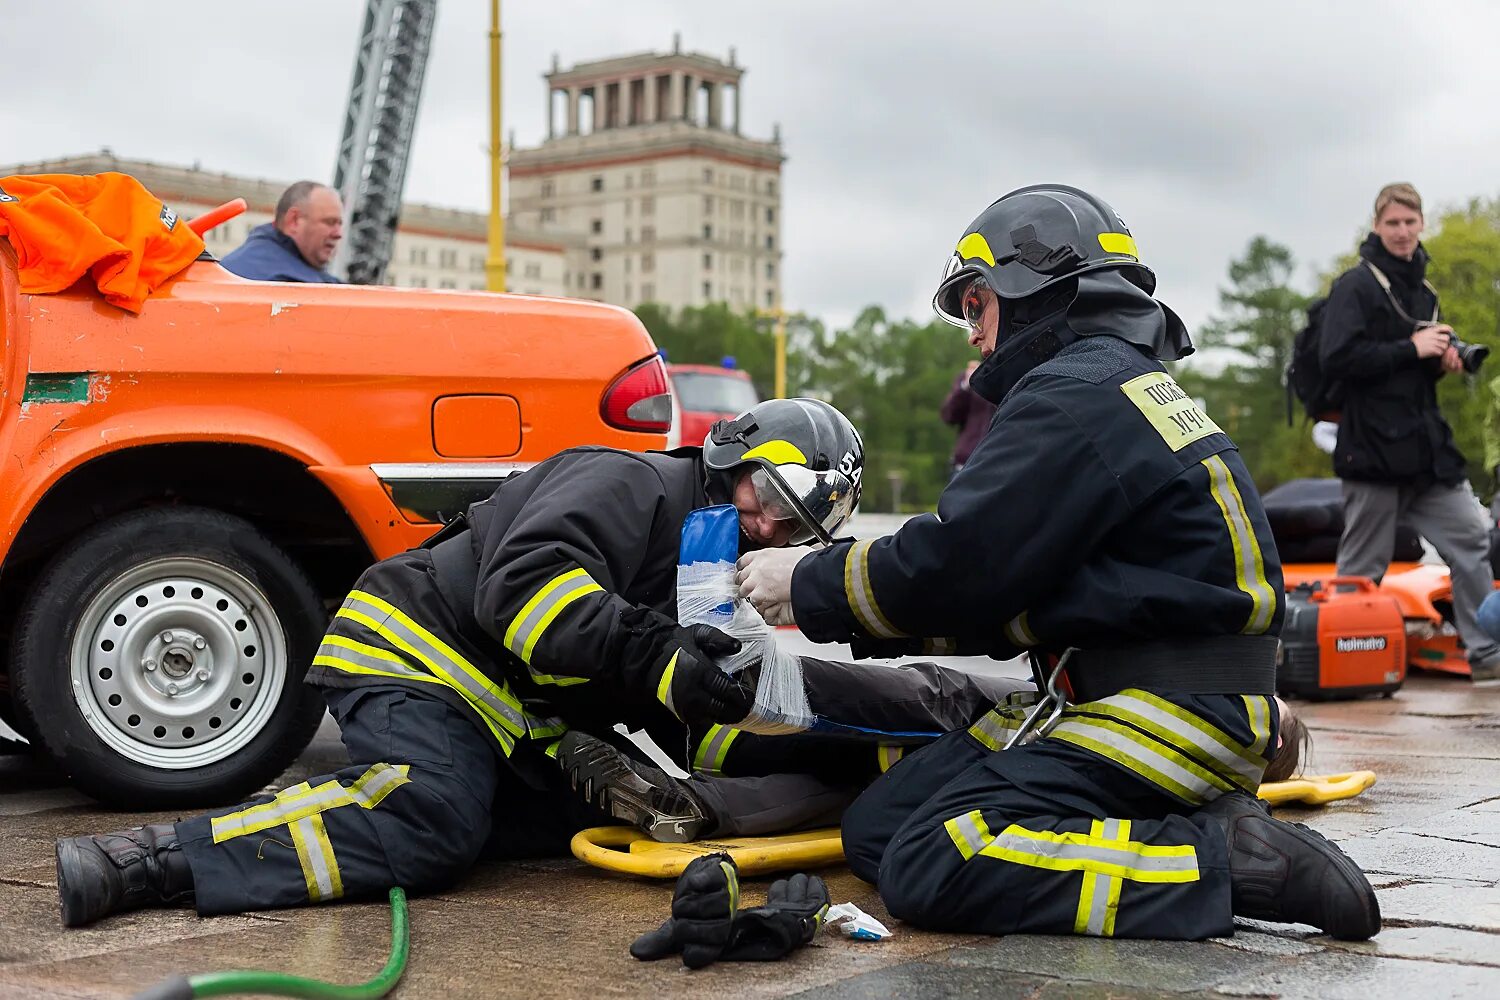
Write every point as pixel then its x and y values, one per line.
pixel 393 624
pixel 713 749
pixel 299 801
pixel 1164 766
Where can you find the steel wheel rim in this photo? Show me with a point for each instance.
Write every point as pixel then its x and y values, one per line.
pixel 178 663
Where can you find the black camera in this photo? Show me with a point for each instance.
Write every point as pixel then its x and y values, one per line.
pixel 1471 355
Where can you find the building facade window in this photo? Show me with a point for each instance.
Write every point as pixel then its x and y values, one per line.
pixel 770 272
pixel 447 258
pixel 596 254
pixel 648 204
pixel 418 255
pixel 476 262
pixel 597 281
pixel 548 215
pixel 770 242
pixel 648 292
pixel 648 176
pixel 770 215
pixel 648 263
pixel 597 226
pixel 770 299
pixel 548 189
pixel 708 290
pixel 447 283
pixel 708 175
pixel 596 184
pixel 708 232
pixel 648 234
pixel 708 262
pixel 708 204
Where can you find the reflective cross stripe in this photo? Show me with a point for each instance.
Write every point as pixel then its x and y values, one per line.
pixel 1099 898
pixel 1185 732
pixel 1018 631
pixel 320 869
pixel 939 647
pixel 714 748
pixel 527 627
pixel 1162 765
pixel 1080 852
pixel 300 801
pixel 1258 714
pixel 969 832
pixel 354 657
pixel 396 627
pixel 888 754
pixel 997 726
pixel 861 596
pixel 1249 564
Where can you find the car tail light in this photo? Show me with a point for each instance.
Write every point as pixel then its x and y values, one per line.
pixel 639 399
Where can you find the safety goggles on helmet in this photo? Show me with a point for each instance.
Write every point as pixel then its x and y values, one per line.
pixel 819 502
pixel 973 305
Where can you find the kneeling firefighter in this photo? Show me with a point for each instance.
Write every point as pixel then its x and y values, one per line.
pixel 453 669
pixel 1107 519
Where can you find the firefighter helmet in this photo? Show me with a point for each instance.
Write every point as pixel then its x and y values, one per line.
pixel 808 458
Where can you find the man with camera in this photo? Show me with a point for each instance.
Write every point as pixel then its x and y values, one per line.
pixel 1383 345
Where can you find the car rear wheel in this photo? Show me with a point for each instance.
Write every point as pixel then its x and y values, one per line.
pixel 159 659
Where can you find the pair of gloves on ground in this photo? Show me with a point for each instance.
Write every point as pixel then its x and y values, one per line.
pixel 707 926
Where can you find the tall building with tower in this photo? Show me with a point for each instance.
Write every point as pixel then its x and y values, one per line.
pixel 645 161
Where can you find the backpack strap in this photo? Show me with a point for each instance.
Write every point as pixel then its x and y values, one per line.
pixel 1385 286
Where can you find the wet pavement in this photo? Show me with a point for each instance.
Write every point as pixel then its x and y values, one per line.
pixel 1428 833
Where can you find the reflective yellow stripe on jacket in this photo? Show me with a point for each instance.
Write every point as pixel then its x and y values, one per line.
pixel 714 748
pixel 531 622
pixel 1249 564
pixel 861 595
pixel 496 705
pixel 1176 750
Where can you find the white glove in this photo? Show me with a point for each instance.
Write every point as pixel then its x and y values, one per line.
pixel 765 576
pixel 778 614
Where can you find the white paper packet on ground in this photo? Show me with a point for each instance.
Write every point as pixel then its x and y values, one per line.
pixel 855 923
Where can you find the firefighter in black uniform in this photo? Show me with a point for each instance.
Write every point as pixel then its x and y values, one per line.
pixel 1105 518
pixel 450 669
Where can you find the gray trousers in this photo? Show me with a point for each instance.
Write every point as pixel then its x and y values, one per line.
pixel 1451 520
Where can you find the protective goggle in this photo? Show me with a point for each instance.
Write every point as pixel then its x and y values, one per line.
pixel 973 305
pixel 818 502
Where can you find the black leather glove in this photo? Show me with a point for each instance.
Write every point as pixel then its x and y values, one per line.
pixel 792 915
pixel 683 676
pixel 703 904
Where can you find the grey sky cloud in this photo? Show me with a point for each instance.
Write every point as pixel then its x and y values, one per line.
pixel 1203 125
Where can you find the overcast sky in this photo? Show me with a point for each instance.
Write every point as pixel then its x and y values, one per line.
pixel 1203 124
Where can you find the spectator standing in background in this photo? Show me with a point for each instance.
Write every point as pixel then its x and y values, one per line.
pixel 970 413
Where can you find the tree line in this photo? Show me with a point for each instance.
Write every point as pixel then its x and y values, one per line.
pixel 890 376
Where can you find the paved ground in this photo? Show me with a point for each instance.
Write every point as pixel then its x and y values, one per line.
pixel 1429 833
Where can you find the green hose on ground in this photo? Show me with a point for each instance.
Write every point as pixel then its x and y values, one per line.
pixel 218 984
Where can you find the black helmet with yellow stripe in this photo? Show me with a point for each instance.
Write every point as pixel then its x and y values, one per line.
pixel 808 461
pixel 1033 238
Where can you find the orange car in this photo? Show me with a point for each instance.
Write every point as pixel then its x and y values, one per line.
pixel 190 490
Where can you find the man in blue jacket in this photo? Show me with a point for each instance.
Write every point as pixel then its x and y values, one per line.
pixel 299 244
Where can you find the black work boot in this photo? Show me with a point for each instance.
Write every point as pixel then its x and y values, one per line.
pixel 636 793
pixel 1285 872
pixel 113 872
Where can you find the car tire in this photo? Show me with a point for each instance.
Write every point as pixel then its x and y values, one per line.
pixel 159 659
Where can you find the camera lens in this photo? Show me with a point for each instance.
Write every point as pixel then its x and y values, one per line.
pixel 1472 356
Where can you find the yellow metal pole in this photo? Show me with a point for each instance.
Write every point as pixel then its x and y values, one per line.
pixel 780 350
pixel 780 354
pixel 494 266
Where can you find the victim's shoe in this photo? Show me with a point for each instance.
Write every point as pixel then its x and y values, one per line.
pixel 635 793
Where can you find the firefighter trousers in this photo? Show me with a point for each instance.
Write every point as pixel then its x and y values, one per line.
pixel 418 805
pixel 1047 837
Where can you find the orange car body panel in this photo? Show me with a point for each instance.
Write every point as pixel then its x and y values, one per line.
pixel 338 377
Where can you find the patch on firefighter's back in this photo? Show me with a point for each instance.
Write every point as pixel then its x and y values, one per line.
pixel 1171 411
pixel 168 217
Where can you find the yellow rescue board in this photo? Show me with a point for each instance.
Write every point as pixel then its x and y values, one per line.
pixel 1315 791
pixel 626 849
pixel 602 846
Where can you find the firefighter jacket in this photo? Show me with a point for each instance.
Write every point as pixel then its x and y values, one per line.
pixel 106 226
pixel 571 569
pixel 1103 507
